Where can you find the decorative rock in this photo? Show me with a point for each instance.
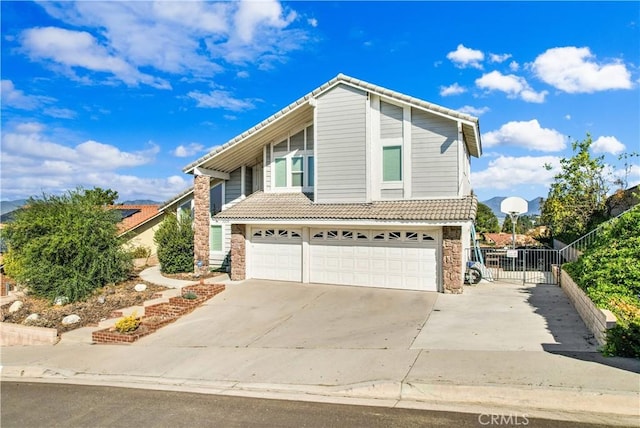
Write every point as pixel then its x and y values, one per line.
pixel 15 306
pixel 32 318
pixel 61 300
pixel 140 287
pixel 70 319
pixel 102 299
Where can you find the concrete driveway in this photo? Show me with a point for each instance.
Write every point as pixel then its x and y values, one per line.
pixel 273 314
pixel 285 315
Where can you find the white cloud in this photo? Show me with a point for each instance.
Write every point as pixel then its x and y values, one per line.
pixel 60 113
pixel 313 22
pixel 221 99
pixel 454 89
pixel 79 49
pixel 529 135
pixel 574 70
pixel 25 148
pixel 499 57
pixel 607 145
pixel 514 86
pixel 514 66
pixel 464 57
pixel 183 151
pixel 12 97
pixel 193 38
pixel 567 116
pixel 508 171
pixel 474 111
pixel 242 74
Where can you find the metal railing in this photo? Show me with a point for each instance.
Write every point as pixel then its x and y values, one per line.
pixel 571 252
pixel 523 265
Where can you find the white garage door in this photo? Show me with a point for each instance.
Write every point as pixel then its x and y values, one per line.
pixel 390 259
pixel 276 254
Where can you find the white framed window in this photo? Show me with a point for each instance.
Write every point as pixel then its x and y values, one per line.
pixel 391 163
pixel 215 238
pixel 293 161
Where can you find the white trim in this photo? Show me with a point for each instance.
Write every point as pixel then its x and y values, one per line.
pixel 406 151
pixel 243 181
pixel 367 152
pixel 460 160
pixel 315 149
pixel 211 173
pixel 352 223
pixel 375 149
pixel 306 258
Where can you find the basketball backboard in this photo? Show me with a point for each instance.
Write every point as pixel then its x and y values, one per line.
pixel 514 206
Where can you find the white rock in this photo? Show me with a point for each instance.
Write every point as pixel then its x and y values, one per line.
pixel 70 319
pixel 32 318
pixel 15 306
pixel 102 299
pixel 61 300
pixel 140 287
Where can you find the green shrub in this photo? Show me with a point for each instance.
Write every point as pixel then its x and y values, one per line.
pixel 140 252
pixel 174 238
pixel 65 246
pixel 609 273
pixel 190 295
pixel 127 324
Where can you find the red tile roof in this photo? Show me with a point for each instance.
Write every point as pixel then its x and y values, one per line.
pixel 147 212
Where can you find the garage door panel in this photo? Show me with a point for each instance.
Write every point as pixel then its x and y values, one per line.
pixel 276 260
pixel 404 263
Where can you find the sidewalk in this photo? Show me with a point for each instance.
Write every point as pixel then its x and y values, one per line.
pixel 579 386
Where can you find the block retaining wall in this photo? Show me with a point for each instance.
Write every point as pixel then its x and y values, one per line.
pixel 597 320
pixel 16 334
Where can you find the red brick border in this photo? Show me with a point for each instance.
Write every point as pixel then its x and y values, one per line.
pixel 161 314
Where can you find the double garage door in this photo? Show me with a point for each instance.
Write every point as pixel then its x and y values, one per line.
pixel 403 259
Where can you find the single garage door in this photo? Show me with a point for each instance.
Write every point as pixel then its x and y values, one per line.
pixel 390 259
pixel 276 254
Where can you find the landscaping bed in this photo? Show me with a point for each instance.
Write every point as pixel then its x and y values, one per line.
pixel 99 306
pixel 161 314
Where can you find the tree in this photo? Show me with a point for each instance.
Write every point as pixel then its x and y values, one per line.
pixel 486 220
pixel 174 238
pixel 65 246
pixel 99 196
pixel 524 224
pixel 576 199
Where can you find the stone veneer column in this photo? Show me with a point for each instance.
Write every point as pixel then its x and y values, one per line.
pixel 238 253
pixel 452 259
pixel 201 222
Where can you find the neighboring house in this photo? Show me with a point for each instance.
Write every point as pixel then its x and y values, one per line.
pixel 139 223
pixel 503 240
pixel 351 184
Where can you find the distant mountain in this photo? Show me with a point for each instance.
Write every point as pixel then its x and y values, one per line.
pixel 141 202
pixel 534 206
pixel 8 206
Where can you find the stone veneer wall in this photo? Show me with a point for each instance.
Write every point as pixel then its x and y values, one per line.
pixel 452 259
pixel 238 253
pixel 201 223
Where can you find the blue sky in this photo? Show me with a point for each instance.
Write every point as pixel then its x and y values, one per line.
pixel 122 95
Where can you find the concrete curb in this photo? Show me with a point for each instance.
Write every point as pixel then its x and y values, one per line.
pixel 611 408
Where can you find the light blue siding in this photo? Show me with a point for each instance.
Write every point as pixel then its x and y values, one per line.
pixel 341 146
pixel 434 155
pixel 233 189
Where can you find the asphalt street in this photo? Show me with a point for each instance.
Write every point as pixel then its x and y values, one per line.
pixel 41 405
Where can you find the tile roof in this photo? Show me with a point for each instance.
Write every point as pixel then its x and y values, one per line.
pixel 145 213
pixel 298 206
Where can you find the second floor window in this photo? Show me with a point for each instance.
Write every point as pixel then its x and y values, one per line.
pixel 392 163
pixel 293 164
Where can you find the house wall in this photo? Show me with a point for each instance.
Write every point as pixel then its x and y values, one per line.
pixel 144 235
pixel 341 146
pixel 434 155
pixel 233 189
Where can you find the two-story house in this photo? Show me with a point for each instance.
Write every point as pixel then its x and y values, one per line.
pixel 351 184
